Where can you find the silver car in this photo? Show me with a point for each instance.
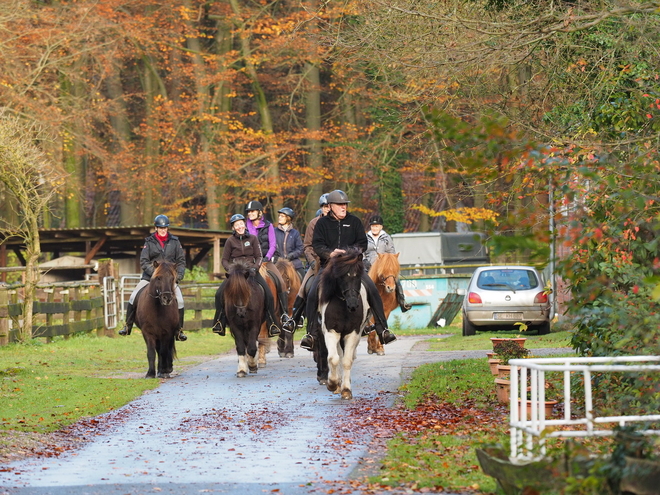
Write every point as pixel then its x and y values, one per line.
pixel 498 297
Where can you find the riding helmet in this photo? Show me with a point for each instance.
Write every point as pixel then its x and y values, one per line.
pixel 161 221
pixel 376 220
pixel 338 196
pixel 235 218
pixel 287 211
pixel 323 200
pixel 254 205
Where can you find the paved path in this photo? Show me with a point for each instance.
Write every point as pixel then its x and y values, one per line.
pixel 207 431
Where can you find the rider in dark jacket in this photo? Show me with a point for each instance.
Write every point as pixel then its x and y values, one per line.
pixel 161 245
pixel 243 246
pixel 333 234
pixel 289 242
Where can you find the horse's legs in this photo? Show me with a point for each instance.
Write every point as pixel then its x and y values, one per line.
pixel 331 342
pixel 151 358
pixel 351 342
pixel 252 347
pixel 242 367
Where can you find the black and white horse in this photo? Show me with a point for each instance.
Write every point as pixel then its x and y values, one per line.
pixel 344 312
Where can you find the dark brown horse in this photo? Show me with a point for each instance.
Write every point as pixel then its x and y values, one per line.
pixel 385 274
pixel 245 309
pixel 292 285
pixel 157 316
pixel 344 313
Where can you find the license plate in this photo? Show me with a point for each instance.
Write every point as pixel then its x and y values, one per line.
pixel 507 316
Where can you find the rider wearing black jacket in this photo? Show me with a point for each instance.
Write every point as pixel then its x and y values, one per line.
pixel 334 233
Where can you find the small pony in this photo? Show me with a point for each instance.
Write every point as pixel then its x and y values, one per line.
pixel 292 285
pixel 157 315
pixel 245 310
pixel 344 313
pixel 385 274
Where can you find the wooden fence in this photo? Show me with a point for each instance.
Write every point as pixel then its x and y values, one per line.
pixel 67 308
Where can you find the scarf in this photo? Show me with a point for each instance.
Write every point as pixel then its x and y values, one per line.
pixel 162 239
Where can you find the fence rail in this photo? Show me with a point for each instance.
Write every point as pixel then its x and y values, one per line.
pixel 67 308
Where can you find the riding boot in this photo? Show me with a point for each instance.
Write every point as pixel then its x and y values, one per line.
pixel 273 329
pixel 297 317
pixel 384 335
pixel 287 322
pixel 401 298
pixel 307 342
pixel 130 319
pixel 220 324
pixel 180 336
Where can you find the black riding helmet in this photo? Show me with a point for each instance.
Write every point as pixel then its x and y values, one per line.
pixel 254 205
pixel 161 221
pixel 376 220
pixel 288 212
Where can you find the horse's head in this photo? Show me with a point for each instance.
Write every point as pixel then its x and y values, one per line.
pixel 163 282
pixel 343 277
pixel 385 271
pixel 237 294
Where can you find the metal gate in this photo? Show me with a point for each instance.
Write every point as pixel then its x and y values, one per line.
pixel 110 302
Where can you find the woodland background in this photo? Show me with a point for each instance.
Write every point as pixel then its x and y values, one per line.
pixel 428 112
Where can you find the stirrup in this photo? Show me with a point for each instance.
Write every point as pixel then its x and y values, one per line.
pixel 288 324
pixel 125 331
pixel 405 307
pixel 273 331
pixel 307 342
pixel 368 329
pixel 387 337
pixel 181 337
pixel 219 328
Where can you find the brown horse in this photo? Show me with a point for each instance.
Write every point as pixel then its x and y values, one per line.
pixel 243 300
pixel 385 274
pixel 273 278
pixel 292 285
pixel 157 315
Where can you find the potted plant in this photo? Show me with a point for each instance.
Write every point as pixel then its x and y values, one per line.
pixel 505 351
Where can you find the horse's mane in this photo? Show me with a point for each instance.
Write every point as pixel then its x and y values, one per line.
pixel 286 269
pixel 338 267
pixel 163 266
pixel 238 288
pixel 386 264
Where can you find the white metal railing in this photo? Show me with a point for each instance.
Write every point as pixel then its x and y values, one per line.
pixel 110 302
pixel 526 431
pixel 126 285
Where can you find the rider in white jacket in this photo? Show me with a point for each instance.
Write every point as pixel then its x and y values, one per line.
pixel 379 241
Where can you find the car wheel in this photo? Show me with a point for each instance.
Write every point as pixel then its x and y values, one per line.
pixel 544 328
pixel 468 328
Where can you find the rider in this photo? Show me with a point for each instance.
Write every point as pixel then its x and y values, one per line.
pixel 289 243
pixel 161 245
pixel 244 246
pixel 333 234
pixel 379 241
pixel 312 260
pixel 258 226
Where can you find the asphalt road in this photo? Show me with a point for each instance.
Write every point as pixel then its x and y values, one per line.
pixel 207 431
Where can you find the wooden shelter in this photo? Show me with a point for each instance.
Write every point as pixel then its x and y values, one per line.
pixel 95 242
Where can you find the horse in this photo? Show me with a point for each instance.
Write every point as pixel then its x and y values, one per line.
pixel 292 285
pixel 157 315
pixel 344 312
pixel 245 311
pixel 385 274
pixel 274 280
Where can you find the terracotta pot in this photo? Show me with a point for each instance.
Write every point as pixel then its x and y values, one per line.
pixel 549 408
pixel 503 371
pixel 518 340
pixel 503 389
pixel 492 363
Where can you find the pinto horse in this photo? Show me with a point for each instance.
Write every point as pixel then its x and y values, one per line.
pixel 385 274
pixel 292 285
pixel 344 313
pixel 245 310
pixel 157 315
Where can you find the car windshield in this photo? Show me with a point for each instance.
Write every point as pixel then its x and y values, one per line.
pixel 507 279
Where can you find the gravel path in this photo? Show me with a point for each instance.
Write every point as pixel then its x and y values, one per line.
pixel 207 431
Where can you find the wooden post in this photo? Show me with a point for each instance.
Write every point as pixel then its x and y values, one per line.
pixel 66 316
pixel 50 297
pixel 4 317
pixel 198 311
